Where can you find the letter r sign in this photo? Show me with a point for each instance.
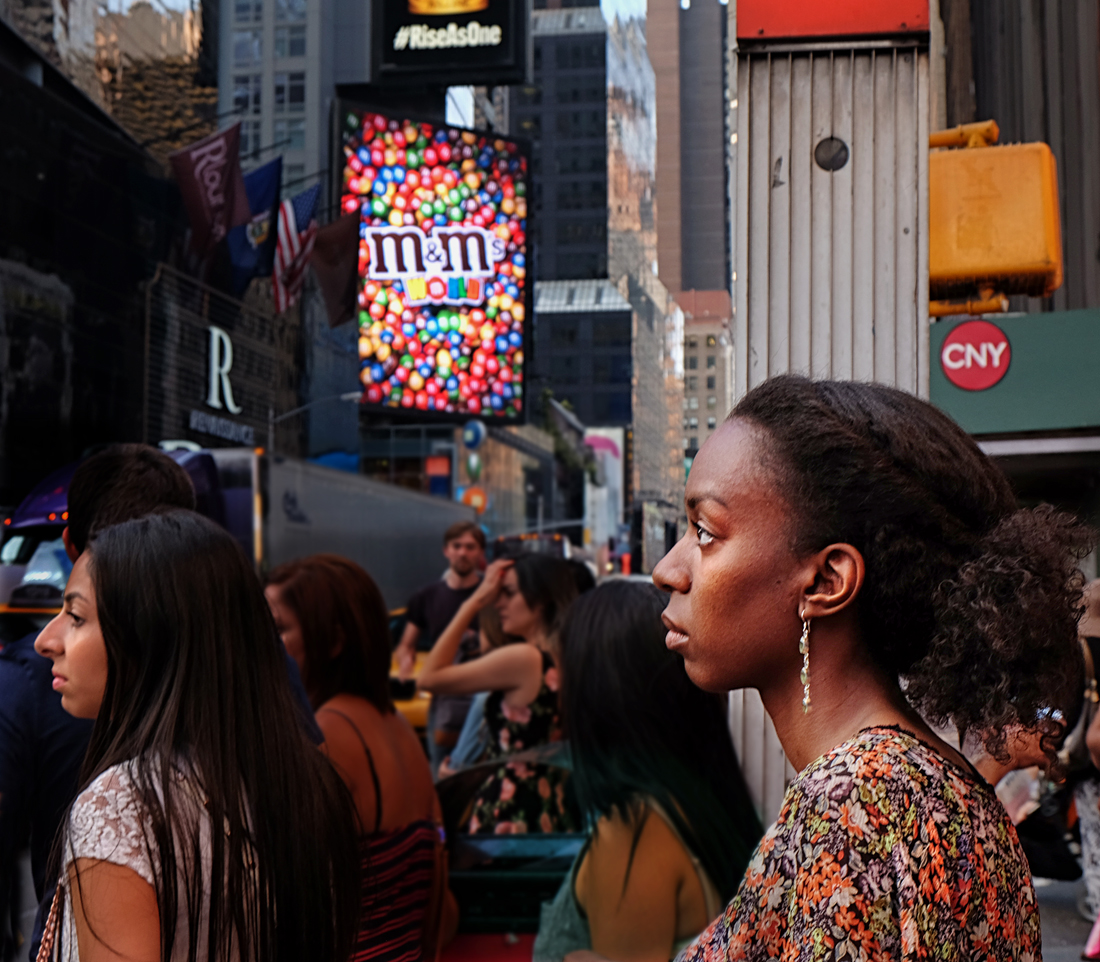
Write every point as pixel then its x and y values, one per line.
pixel 221 363
pixel 975 355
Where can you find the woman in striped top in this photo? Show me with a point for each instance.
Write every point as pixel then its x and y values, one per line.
pixel 333 621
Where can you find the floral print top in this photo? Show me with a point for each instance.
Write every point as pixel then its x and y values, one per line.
pixel 884 850
pixel 523 797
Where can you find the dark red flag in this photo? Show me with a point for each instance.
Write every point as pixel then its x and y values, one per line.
pixel 335 263
pixel 212 186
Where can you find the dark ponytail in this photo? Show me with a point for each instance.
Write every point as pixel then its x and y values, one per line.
pixel 968 599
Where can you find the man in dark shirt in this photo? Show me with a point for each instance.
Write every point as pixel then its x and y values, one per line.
pixel 42 746
pixel 430 610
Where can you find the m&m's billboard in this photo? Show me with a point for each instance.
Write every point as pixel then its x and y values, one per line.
pixel 443 296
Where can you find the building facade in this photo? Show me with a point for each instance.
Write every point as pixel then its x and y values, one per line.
pixel 687 47
pixel 608 334
pixel 708 366
pixel 564 112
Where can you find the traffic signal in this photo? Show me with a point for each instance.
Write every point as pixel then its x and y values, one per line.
pixel 993 217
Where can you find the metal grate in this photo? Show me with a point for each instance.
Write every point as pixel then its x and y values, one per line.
pixel 179 317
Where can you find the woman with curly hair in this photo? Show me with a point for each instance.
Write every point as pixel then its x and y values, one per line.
pixel 855 558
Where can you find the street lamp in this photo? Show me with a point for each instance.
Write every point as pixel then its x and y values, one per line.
pixel 272 420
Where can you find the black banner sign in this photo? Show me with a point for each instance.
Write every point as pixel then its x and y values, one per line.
pixel 450 42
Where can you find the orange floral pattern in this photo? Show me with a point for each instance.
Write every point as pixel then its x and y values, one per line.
pixel 884 851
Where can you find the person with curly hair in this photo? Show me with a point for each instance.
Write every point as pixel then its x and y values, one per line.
pixel 854 557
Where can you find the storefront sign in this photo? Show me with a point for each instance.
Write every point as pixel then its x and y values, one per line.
pixel 450 41
pixel 1039 373
pixel 774 19
pixel 975 355
pixel 216 367
pixel 443 296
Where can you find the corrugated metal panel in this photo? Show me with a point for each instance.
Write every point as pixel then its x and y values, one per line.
pixel 1037 73
pixel 831 269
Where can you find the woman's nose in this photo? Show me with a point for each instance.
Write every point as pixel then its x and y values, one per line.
pixel 48 643
pixel 671 573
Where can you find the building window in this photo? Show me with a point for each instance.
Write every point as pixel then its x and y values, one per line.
pixel 711 361
pixel 293 175
pixel 712 402
pixel 246 46
pixel 693 423
pixel 527 96
pixel 250 139
pixel 712 423
pixel 685 443
pixel 693 444
pixel 612 332
pixel 693 404
pixel 611 406
pixel 290 41
pixel 710 382
pixel 693 382
pixel 246 93
pixel 711 340
pixel 290 93
pixel 611 370
pixel 693 363
pixel 290 134
pixel 565 369
pixel 290 10
pixel 564 332
pixel 248 11
pixel 693 343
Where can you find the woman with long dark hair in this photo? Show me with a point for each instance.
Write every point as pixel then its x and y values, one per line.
pixel 655 775
pixel 333 621
pixel 208 828
pixel 856 558
pixel 532 594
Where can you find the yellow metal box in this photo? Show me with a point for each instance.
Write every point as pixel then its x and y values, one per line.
pixel 993 221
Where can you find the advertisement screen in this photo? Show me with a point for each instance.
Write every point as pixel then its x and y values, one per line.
pixel 443 293
pixel 450 41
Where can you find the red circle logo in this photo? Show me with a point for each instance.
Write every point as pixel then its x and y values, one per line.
pixel 975 355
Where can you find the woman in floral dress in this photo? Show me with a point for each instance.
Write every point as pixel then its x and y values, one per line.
pixel 531 594
pixel 844 537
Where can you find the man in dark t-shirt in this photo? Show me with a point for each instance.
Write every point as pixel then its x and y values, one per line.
pixel 430 610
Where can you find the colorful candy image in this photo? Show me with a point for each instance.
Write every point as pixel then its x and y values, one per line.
pixel 442 265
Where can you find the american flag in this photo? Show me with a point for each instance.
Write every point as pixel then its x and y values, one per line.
pixel 294 245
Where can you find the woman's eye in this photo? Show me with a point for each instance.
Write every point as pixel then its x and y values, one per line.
pixel 702 535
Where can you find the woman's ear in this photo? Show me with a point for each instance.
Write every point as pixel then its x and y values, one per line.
pixel 837 574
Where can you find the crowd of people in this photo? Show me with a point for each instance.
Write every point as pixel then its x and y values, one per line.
pixel 211 767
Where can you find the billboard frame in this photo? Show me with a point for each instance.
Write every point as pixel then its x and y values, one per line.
pixel 380 412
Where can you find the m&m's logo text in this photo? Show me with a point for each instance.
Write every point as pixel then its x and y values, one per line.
pixel 448 266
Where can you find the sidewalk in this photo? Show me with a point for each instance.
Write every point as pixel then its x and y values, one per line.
pixel 1064 930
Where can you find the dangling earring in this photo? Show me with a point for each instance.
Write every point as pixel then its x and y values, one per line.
pixel 804 651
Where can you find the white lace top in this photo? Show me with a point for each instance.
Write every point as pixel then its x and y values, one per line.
pixel 108 824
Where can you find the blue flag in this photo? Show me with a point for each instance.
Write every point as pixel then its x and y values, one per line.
pixel 252 245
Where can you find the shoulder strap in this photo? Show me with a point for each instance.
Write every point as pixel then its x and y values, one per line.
pixel 370 762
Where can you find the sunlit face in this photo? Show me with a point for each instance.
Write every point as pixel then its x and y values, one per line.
pixel 516 616
pixel 73 641
pixel 288 626
pixel 735 581
pixel 463 554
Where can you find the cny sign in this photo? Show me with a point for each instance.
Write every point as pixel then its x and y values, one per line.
pixel 975 355
pixel 443 293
